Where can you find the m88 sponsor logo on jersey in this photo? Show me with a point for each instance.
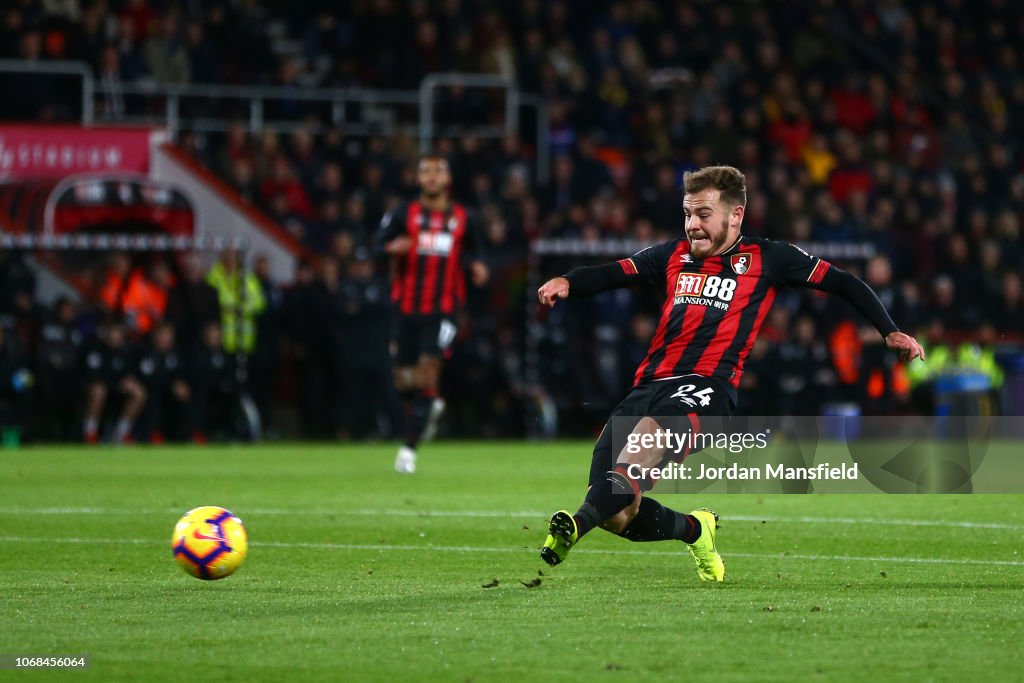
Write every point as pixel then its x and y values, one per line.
pixel 705 290
pixel 435 243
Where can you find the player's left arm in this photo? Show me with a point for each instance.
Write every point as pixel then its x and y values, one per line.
pixel 793 266
pixel 479 273
pixel 863 298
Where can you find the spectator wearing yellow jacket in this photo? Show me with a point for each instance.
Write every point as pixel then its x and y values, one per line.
pixel 241 301
pixel 976 359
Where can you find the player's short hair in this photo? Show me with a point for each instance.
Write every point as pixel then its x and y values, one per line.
pixel 729 181
pixel 435 157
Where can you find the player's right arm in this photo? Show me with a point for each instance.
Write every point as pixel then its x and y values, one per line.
pixel 644 267
pixel 391 238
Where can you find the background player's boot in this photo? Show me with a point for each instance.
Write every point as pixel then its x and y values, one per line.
pixel 562 536
pixel 709 563
pixel 437 407
pixel 405 461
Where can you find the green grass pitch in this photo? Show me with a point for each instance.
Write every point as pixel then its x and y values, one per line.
pixel 356 573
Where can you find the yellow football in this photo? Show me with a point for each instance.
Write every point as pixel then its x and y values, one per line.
pixel 209 542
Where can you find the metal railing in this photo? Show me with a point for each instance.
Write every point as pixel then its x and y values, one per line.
pixel 432 82
pixel 59 68
pixel 514 99
pixel 380 109
pixel 255 99
pixel 106 242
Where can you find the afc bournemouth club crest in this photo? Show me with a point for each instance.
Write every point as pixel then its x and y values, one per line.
pixel 740 263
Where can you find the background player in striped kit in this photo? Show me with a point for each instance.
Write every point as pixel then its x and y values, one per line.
pixel 433 242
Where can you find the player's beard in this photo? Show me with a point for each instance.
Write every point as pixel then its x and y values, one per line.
pixel 434 196
pixel 714 243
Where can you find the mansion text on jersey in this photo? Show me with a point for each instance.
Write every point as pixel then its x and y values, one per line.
pixel 701 301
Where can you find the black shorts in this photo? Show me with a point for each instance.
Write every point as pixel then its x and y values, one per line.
pixel 681 400
pixel 423 335
pixel 110 380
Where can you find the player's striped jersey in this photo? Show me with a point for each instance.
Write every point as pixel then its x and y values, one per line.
pixel 430 278
pixel 714 307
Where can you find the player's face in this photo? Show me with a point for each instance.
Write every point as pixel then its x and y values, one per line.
pixel 433 177
pixel 164 339
pixel 711 225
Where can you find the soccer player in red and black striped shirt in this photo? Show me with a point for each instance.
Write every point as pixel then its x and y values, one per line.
pixel 718 286
pixel 433 242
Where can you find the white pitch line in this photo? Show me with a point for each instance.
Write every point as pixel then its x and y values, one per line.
pixel 867 520
pixel 62 511
pixel 499 514
pixel 492 549
pixel 725 518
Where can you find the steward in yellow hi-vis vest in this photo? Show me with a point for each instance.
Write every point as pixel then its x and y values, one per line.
pixel 241 300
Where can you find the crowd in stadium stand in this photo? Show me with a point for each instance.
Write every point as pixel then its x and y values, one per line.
pixel 884 123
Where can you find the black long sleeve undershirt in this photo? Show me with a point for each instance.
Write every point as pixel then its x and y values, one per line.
pixel 860 296
pixel 590 280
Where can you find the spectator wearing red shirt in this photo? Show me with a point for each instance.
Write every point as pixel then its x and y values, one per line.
pixel 282 181
pixel 792 131
pixel 140 15
pixel 854 110
pixel 851 175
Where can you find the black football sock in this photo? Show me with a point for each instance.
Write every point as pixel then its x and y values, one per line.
pixel 416 415
pixel 407 398
pixel 605 498
pixel 655 522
